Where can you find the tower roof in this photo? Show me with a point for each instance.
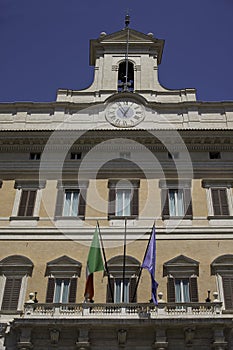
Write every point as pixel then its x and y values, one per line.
pixel 116 42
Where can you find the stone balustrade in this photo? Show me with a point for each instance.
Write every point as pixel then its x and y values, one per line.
pixel 131 310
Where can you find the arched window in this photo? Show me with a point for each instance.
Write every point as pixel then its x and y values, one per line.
pixel 126 76
pixel 222 267
pixel 14 271
pixel 123 290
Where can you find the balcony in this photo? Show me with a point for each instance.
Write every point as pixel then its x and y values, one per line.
pixel 126 311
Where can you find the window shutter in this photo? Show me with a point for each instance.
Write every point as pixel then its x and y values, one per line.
pixel 109 297
pixel 223 201
pixel 111 202
pixel 31 203
pixel 11 293
pixel 59 203
pixel 228 291
pixel 164 202
pixel 82 202
pixel 132 286
pixel 171 296
pixel 72 291
pixel 134 203
pixel 23 203
pixel 50 290
pixel 188 202
pixel 220 203
pixel 193 289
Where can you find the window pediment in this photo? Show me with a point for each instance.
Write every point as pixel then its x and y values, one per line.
pixel 181 266
pixel 63 266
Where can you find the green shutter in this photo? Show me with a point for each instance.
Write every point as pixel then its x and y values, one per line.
pixel 73 290
pixel 11 293
pixel 59 202
pixel 82 203
pixel 193 289
pixel 171 295
pixel 165 203
pixel 187 202
pixel 50 290
pixel 228 291
pixel 134 203
pixel 132 286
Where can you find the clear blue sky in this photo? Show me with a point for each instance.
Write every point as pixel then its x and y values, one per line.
pixel 45 44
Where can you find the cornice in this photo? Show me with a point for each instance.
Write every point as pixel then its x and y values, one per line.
pixel 14 106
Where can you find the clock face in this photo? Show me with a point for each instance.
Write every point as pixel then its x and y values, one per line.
pixel 125 113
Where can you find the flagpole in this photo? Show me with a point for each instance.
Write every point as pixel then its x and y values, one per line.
pixel 124 258
pixel 105 262
pixel 140 272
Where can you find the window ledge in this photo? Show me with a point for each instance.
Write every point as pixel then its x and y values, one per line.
pixel 22 218
pixel 220 217
pixel 168 217
pixel 114 217
pixel 69 218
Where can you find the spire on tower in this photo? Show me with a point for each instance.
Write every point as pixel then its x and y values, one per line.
pixel 127 20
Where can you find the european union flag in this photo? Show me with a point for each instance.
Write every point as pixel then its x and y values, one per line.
pixel 149 264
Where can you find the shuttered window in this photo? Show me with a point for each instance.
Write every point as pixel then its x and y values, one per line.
pixel 176 203
pixel 117 288
pixel 228 291
pixel 61 290
pixel 27 203
pixel 123 202
pixel 220 201
pixel 71 202
pixel 11 293
pixel 182 289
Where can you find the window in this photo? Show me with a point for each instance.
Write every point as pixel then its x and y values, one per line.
pixel 71 200
pixel 71 203
pixel 27 203
pixel 176 199
pixel 126 69
pixel 62 282
pixel 222 268
pixel 123 198
pixel 14 271
pixel 35 156
pixel 75 155
pixel 27 199
pixel 61 290
pixel 219 201
pixel 214 155
pixel 122 289
pixel 181 275
pixel 218 197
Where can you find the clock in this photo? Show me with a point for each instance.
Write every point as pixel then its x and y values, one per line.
pixel 125 113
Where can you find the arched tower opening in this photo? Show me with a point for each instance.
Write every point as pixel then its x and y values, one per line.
pixel 125 76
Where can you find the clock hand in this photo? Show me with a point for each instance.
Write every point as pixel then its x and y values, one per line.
pixel 128 109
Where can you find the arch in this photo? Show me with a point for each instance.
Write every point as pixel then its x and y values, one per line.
pixel 123 83
pixel 16 264
pixel 222 265
pixel 115 266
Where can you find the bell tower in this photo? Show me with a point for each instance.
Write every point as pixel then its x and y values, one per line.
pixel 126 61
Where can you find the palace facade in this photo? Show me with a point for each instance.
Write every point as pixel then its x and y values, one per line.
pixel 126 153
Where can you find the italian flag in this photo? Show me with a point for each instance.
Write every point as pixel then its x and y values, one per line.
pixel 94 263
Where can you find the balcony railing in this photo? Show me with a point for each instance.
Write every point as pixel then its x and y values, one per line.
pixel 132 310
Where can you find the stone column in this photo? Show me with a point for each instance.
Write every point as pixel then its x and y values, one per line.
pixel 25 339
pixel 83 340
pixel 161 340
pixel 219 339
